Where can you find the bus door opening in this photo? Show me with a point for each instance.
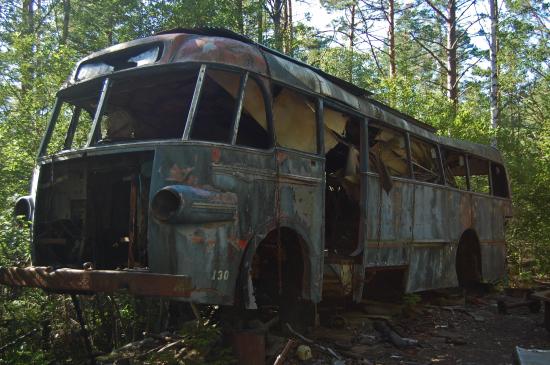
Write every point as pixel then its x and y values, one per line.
pixel 343 182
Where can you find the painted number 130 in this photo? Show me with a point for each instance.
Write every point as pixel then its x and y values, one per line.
pixel 220 275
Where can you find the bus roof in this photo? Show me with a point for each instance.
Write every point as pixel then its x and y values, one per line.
pixel 223 46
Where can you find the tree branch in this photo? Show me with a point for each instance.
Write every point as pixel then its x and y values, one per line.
pixel 439 12
pixel 434 56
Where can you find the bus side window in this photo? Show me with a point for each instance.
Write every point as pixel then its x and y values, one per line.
pixel 454 166
pixel 498 178
pixel 387 150
pixel 216 108
pixel 60 129
pixel 253 129
pixel 74 122
pixel 424 160
pixel 294 120
pixel 479 175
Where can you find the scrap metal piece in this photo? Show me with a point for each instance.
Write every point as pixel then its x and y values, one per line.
pixel 532 356
pixel 66 280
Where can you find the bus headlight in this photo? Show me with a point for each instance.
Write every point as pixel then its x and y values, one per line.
pixel 187 204
pixel 24 207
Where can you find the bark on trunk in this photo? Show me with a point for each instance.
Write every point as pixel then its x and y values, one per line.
pixel 276 13
pixel 240 16
pixel 66 20
pixel 391 33
pixel 452 45
pixel 493 13
pixel 351 42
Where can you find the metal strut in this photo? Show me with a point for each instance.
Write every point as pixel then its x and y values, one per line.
pixel 84 331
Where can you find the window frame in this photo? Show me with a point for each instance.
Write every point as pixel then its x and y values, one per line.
pixel 318 102
pixel 406 138
pixel 490 181
pixel 466 166
pixel 244 77
pixel 439 162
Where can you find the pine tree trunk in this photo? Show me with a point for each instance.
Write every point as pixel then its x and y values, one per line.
pixel 391 33
pixel 260 24
pixel 290 29
pixel 493 13
pixel 351 42
pixel 66 20
pixel 276 14
pixel 240 16
pixel 452 45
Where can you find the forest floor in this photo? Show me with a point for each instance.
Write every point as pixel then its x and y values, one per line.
pixel 433 328
pixel 468 333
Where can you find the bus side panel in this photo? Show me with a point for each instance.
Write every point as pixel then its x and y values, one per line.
pixel 389 224
pixel 488 222
pixel 301 201
pixel 432 258
pixel 211 252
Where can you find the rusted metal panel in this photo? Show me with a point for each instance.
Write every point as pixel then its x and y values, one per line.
pixel 300 179
pixel 431 267
pixel 389 223
pixel 220 50
pixel 290 73
pixel 177 248
pixel 66 280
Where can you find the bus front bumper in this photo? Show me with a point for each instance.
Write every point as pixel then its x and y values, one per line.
pixel 65 280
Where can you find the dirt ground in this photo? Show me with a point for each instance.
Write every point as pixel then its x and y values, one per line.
pixel 472 332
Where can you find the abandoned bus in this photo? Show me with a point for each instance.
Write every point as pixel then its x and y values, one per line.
pixel 202 166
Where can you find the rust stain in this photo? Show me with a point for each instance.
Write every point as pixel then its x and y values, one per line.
pixel 179 174
pixel 216 154
pixel 242 244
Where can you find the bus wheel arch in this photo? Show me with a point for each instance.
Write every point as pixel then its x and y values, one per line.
pixel 468 259
pixel 259 271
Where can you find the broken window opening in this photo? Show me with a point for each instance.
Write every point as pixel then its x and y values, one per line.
pixel 253 128
pixel 387 152
pixel 343 180
pixel 147 107
pixel 62 124
pixel 294 116
pixel 454 166
pixel 499 181
pixel 94 211
pixel 217 106
pixel 74 120
pixel 479 175
pixel 424 158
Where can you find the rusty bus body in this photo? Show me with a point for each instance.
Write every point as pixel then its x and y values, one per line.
pixel 274 191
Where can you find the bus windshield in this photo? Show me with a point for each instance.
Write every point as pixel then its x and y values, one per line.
pixel 156 107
